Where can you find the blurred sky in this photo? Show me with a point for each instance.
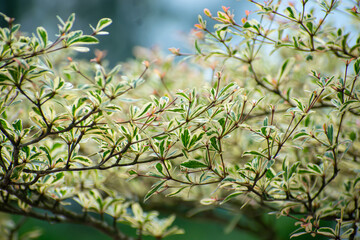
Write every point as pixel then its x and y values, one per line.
pixel 149 23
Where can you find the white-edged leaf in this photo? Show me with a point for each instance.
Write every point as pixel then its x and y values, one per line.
pixel 154 189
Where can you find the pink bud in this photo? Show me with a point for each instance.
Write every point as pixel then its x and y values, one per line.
pixel 225 8
pixel 199 26
pixel 175 51
pixel 207 12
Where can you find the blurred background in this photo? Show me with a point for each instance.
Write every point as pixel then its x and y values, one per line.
pixel 148 23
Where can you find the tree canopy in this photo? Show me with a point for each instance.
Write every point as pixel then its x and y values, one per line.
pixel 262 117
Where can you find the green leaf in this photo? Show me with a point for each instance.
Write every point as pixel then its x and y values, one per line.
pixel 185 138
pixel 315 168
pixel 247 25
pixel 310 26
pixel 293 169
pixel 195 139
pixel 115 70
pixel 144 109
pixel 193 164
pixel 103 23
pixel 330 133
pixel 17 125
pixel 71 20
pixel 83 160
pixel 300 134
pixel 229 179
pixel 299 104
pixel 254 153
pixel 305 171
pixel 42 35
pixel 137 82
pixel 356 181
pixel 47 153
pixel 153 190
pixel 344 40
pixel 222 122
pixel 357 66
pixel 182 94
pixel 298 234
pixel 230 196
pixel 58 177
pixel 291 13
pixel 197 47
pixel 176 192
pixel 285 167
pixel 224 89
pixel 329 232
pixel 214 144
pixel 159 167
pixel 16 171
pixel 270 163
pixel 285 68
pixel 83 40
pixel 270 173
pixel 352 136
pixel 347 233
pixel 5 124
pixel 3 78
pixel 266 121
